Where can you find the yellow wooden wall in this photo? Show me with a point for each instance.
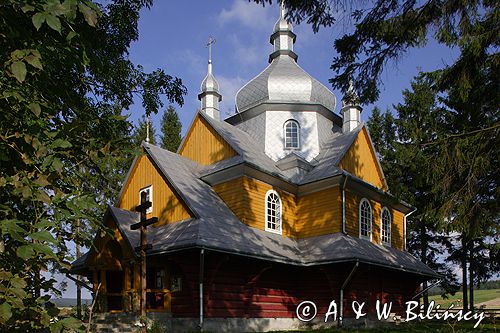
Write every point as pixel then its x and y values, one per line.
pixel 315 214
pixel 204 145
pixel 319 213
pixel 166 205
pixel 352 220
pixel 246 198
pixel 361 161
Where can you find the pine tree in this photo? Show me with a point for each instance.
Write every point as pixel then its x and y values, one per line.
pixel 140 133
pixel 406 165
pixel 170 129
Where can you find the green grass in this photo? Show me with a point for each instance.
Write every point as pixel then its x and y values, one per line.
pixel 423 327
pixel 479 297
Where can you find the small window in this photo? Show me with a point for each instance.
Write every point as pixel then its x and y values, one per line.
pixel 292 135
pixel 365 219
pixel 176 283
pixel 149 197
pixel 273 212
pixel 385 231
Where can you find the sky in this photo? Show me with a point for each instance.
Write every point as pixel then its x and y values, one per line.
pixel 173 35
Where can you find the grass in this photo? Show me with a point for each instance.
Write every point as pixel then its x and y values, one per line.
pixel 479 297
pixel 422 327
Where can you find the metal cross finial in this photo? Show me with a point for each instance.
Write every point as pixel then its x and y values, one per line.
pixel 211 41
pixel 282 9
pixel 147 128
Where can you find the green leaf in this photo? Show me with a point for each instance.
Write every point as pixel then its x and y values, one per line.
pixel 18 68
pixel 44 249
pixel 71 35
pixel 27 8
pixel 34 61
pixel 57 164
pixel 17 282
pixel 54 22
pixel 5 312
pixel 35 108
pixel 71 323
pixel 25 252
pixel 38 20
pixel 26 192
pixel 43 236
pixel 60 143
pixel 89 14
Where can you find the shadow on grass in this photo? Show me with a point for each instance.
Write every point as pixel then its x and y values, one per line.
pixel 487 326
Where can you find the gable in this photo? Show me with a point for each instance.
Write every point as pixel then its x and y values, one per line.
pixel 167 206
pixel 361 161
pixel 204 145
pixel 110 249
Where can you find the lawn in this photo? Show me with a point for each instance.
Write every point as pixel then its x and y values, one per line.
pixel 423 327
pixel 479 297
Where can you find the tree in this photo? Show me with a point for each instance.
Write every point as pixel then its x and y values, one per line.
pixel 66 78
pixel 170 129
pixel 407 166
pixel 464 176
pixel 140 133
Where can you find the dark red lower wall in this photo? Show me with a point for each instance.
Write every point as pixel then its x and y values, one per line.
pixel 242 287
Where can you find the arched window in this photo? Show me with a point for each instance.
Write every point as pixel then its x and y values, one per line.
pixel 292 134
pixel 385 226
pixel 365 219
pixel 273 212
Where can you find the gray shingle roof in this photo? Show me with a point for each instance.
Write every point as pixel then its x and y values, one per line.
pixel 214 226
pixel 228 234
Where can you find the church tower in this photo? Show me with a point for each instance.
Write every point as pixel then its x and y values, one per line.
pixel 210 96
pixel 288 112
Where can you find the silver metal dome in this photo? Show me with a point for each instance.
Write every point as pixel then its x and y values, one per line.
pixel 209 83
pixel 283 80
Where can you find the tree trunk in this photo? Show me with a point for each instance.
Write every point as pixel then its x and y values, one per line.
pixel 423 258
pixel 464 275
pixel 78 286
pixel 471 277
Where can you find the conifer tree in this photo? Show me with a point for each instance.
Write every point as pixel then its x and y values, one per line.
pixel 407 166
pixel 170 130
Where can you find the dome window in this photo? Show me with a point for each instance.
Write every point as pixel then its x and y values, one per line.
pixel 292 134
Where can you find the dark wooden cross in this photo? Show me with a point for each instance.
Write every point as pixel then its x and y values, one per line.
pixel 143 224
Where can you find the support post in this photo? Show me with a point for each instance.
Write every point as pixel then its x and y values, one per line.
pixel 344 285
pixel 202 268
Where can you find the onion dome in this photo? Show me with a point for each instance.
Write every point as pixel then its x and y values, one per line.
pixel 283 81
pixel 210 96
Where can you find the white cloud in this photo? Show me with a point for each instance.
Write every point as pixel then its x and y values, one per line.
pixel 248 14
pixel 247 54
pixel 229 86
pixel 193 61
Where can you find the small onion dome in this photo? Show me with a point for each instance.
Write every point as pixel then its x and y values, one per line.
pixel 209 83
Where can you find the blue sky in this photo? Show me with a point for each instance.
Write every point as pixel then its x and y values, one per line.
pixel 173 36
pixel 174 33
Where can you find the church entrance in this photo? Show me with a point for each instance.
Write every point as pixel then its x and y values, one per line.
pixel 114 290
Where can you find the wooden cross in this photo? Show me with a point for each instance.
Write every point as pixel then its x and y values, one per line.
pixel 143 224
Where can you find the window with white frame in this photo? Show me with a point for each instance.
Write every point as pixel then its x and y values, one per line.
pixel 149 197
pixel 385 225
pixel 365 219
pixel 292 134
pixel 273 212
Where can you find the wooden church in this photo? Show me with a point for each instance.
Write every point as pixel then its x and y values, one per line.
pixel 283 202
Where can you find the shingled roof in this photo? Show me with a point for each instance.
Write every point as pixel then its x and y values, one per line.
pixel 215 227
